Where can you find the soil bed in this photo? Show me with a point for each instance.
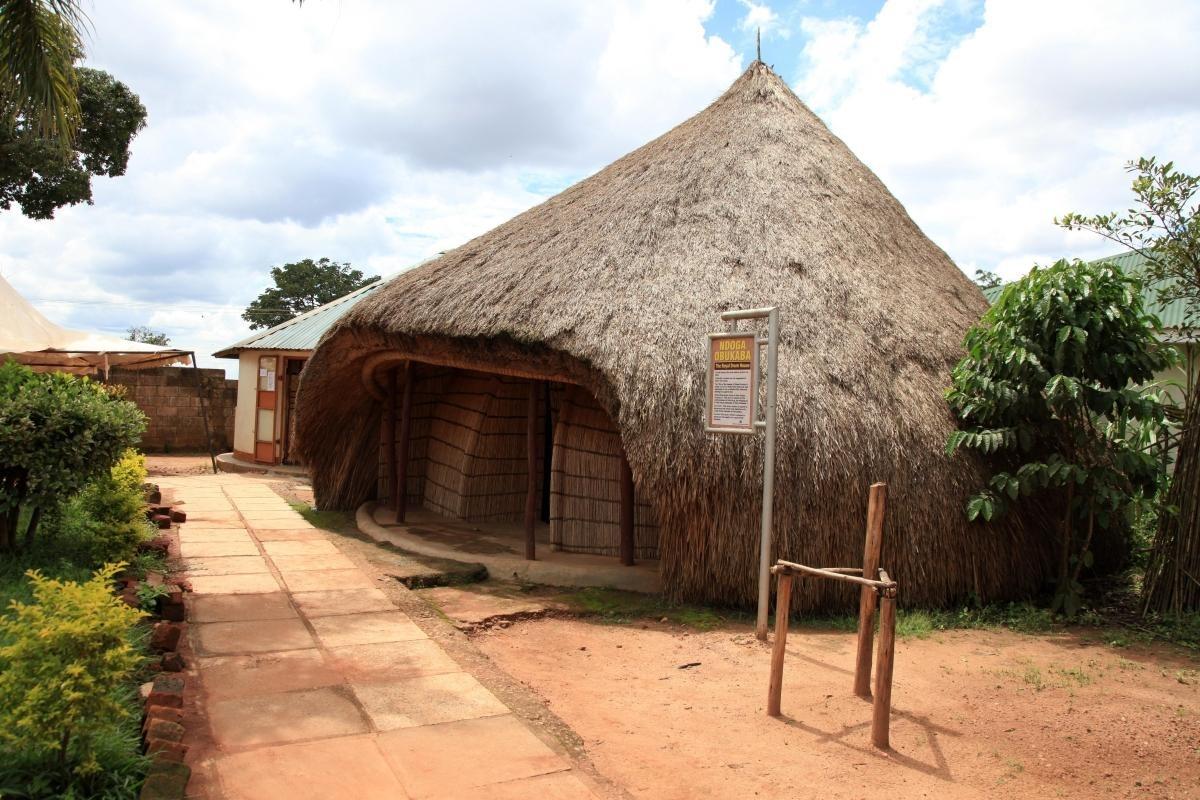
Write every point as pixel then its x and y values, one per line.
pixel 976 713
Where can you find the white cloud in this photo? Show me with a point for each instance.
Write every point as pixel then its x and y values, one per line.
pixel 759 16
pixel 987 137
pixel 376 132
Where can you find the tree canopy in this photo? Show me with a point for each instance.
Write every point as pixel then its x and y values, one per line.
pixel 40 175
pixel 302 286
pixel 140 333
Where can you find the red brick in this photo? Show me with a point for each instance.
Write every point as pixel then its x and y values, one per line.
pixel 166 751
pixel 167 691
pixel 165 637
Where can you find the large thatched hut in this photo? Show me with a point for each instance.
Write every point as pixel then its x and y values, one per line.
pixel 590 311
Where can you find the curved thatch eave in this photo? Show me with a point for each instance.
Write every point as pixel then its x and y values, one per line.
pixel 752 202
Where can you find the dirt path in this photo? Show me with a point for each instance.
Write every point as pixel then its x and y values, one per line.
pixel 314 685
pixel 977 713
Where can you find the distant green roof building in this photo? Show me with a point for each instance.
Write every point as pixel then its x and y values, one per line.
pixel 269 365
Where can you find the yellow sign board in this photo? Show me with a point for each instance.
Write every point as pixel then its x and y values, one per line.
pixel 732 382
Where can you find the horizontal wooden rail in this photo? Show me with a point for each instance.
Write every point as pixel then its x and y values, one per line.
pixel 837 574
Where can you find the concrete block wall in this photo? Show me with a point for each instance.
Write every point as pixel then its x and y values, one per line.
pixel 168 398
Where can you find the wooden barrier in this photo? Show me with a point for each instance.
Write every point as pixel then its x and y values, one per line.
pixel 879 588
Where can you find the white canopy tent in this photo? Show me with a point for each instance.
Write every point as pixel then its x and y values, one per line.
pixel 31 339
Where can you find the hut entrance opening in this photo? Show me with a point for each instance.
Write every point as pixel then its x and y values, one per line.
pixel 531 464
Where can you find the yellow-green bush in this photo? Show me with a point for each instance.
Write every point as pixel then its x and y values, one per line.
pixel 106 520
pixel 64 659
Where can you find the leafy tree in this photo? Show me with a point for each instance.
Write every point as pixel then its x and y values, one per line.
pixel 1163 226
pixel 302 286
pixel 40 175
pixel 1049 392
pixel 57 432
pixel 987 280
pixel 140 333
pixel 40 40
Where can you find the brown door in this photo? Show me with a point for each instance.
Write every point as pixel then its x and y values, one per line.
pixel 265 406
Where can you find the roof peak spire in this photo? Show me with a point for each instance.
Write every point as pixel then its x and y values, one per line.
pixel 758 45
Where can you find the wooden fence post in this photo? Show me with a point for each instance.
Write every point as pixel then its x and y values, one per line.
pixel 401 476
pixel 628 510
pixel 866 598
pixel 389 438
pixel 881 712
pixel 531 471
pixel 783 605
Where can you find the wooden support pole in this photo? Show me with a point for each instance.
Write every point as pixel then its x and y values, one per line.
pixel 401 487
pixel 389 438
pixel 627 511
pixel 876 506
pixel 783 605
pixel 531 463
pixel 881 712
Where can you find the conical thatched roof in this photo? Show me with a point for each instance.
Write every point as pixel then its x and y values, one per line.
pixel 614 282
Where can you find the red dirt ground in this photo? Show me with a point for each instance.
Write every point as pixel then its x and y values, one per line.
pixel 976 713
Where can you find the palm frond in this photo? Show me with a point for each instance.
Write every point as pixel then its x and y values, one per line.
pixel 40 40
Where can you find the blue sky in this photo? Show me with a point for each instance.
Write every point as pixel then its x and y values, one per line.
pixel 381 132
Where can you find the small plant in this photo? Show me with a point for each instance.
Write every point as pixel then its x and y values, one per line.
pixel 66 658
pixel 148 594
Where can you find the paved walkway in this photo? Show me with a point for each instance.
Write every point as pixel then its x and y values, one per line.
pixel 315 686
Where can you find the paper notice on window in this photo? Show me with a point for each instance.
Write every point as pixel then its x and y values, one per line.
pixel 270 381
pixel 732 382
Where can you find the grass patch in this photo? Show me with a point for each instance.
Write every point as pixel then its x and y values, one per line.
pixel 336 521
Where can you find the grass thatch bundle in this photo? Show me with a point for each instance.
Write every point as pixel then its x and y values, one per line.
pixel 612 284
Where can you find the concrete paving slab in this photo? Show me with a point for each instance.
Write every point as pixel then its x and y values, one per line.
pixel 214 516
pixel 389 661
pixel 213 523
pixel 281 524
pixel 436 760
pixel 427 700
pixel 265 673
pixel 188 535
pixel 321 579
pixel 285 717
pixel 382 626
pixel 207 549
pixel 238 607
pixel 252 636
pixel 257 583
pixel 225 565
pixel 302 563
pixel 351 768
pixel 289 535
pixel 334 602
pixel 314 547
pixel 555 786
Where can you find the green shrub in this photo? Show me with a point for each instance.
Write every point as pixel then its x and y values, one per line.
pixel 57 432
pixel 64 662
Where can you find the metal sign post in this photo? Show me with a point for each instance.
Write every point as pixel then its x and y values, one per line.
pixel 732 407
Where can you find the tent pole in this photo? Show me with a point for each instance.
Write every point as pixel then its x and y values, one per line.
pixel 203 410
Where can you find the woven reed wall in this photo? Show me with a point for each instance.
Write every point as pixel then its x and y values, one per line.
pixel 585 490
pixel 467 456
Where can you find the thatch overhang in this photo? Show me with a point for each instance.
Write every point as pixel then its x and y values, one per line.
pixel 612 285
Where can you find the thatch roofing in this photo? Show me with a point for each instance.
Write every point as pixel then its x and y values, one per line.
pixel 614 282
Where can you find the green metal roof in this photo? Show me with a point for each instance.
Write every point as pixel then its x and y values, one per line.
pixel 302 332
pixel 1174 316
